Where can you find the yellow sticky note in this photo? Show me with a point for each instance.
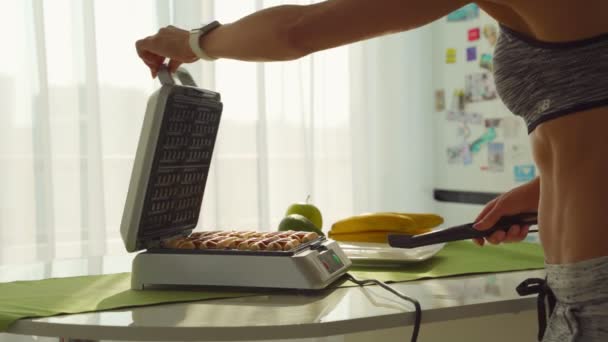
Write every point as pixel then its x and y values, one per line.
pixel 450 56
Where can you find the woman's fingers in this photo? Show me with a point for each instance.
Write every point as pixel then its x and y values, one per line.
pixel 170 42
pixel 489 206
pixel 513 233
pixel 151 59
pixel 523 232
pixel 482 216
pixel 487 221
pixel 173 65
pixel 496 237
pixel 516 233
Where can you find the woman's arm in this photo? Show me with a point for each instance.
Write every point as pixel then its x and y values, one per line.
pixel 290 31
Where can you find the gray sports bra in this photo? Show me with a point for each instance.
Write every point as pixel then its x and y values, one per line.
pixel 541 81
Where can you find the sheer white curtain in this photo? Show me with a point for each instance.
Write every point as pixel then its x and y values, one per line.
pixel 285 135
pixel 72 101
pixel 73 95
pixel 346 126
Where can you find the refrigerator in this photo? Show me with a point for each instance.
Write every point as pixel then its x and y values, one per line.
pixel 481 149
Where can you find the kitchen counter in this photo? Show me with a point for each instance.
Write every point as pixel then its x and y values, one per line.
pixel 283 315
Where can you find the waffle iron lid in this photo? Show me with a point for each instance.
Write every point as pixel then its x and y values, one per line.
pixel 171 163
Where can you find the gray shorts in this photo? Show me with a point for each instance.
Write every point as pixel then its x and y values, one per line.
pixel 581 311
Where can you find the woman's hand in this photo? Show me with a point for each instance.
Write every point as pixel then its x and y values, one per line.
pixel 170 42
pixel 521 199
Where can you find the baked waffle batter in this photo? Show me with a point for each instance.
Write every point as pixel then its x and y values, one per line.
pixel 245 240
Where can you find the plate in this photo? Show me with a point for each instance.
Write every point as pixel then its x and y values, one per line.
pixel 381 254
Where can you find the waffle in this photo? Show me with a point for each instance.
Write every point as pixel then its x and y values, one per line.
pixel 242 240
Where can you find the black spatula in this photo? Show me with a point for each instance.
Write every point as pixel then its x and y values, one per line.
pixel 463 232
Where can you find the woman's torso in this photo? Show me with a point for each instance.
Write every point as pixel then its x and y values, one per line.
pixel 569 150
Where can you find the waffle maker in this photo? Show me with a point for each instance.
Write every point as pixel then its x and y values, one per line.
pixel 165 196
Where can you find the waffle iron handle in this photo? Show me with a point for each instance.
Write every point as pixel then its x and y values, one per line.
pixel 165 76
pixel 183 76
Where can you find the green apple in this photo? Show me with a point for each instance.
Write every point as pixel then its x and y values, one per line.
pixel 307 210
pixel 298 222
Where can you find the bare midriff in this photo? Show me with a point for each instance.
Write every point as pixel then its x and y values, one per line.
pixel 571 153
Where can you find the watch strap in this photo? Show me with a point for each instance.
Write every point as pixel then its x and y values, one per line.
pixel 194 39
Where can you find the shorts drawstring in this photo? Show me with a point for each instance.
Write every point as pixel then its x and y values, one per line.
pixel 539 286
pixel 572 321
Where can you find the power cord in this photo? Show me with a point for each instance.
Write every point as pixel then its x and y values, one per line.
pixel 364 282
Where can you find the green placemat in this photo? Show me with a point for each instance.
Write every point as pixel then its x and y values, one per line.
pixel 49 297
pixel 55 296
pixel 462 257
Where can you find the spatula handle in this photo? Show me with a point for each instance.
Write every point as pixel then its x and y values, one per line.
pixel 465 231
pixel 462 232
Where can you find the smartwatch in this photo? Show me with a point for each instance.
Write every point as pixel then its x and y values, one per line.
pixel 195 36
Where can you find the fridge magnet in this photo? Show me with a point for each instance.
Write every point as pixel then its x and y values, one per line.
pixel 496 157
pixel 519 153
pixel 468 12
pixel 532 238
pixel 490 33
pixel 467 157
pixel 524 173
pixel 492 123
pixel 463 131
pixel 485 61
pixel 457 100
pixel 454 154
pixel 473 34
pixel 464 117
pixel 479 87
pixel 475 118
pixel 471 53
pixel 450 56
pixel 439 100
pixel 486 138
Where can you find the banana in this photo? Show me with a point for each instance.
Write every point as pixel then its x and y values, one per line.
pixel 374 222
pixel 377 236
pixel 424 220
